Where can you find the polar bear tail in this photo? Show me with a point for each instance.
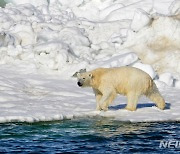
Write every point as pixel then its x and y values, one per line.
pixel 155 96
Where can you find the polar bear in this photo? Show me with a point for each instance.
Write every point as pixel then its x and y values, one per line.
pixel 129 81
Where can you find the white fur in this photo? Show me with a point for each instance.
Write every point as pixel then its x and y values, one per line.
pixel 128 81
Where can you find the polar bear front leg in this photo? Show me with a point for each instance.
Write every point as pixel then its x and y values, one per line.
pixel 105 100
pixel 98 96
pixel 109 101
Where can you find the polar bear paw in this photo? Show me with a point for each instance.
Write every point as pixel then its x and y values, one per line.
pixel 130 108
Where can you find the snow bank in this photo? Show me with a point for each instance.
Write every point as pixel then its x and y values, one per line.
pixel 116 60
pixel 140 20
pixel 127 12
pixel 33 2
pixel 58 34
pixel 162 6
pixel 158 44
pixel 174 8
pixel 167 78
pixel 146 68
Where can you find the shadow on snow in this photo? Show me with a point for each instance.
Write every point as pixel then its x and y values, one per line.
pixel 122 106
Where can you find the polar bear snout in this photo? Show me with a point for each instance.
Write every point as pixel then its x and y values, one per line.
pixel 79 84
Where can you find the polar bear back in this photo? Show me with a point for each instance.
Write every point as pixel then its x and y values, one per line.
pixel 124 79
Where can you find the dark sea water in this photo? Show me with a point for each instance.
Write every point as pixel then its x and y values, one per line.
pixel 98 135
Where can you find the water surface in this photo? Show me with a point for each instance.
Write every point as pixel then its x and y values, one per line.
pixel 98 135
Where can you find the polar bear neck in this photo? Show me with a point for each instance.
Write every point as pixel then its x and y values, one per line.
pixel 96 77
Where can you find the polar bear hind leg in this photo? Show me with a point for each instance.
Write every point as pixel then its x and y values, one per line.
pixel 156 97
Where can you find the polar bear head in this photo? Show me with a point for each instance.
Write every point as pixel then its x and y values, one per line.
pixel 84 79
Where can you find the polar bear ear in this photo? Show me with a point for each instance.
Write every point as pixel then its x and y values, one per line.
pixel 90 75
pixel 78 74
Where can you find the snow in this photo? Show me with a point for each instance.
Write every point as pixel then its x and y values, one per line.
pixel 167 78
pixel 29 96
pixel 140 20
pixel 44 43
pixel 127 12
pixel 33 2
pixel 162 6
pixel 146 68
pixel 174 7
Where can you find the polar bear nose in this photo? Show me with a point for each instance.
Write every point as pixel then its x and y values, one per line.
pixel 79 84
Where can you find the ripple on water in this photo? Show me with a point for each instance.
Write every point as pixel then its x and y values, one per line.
pixel 99 135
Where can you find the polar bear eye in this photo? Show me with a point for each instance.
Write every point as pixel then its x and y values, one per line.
pixel 83 78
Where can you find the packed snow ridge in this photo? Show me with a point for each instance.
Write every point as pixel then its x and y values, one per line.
pixel 61 37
